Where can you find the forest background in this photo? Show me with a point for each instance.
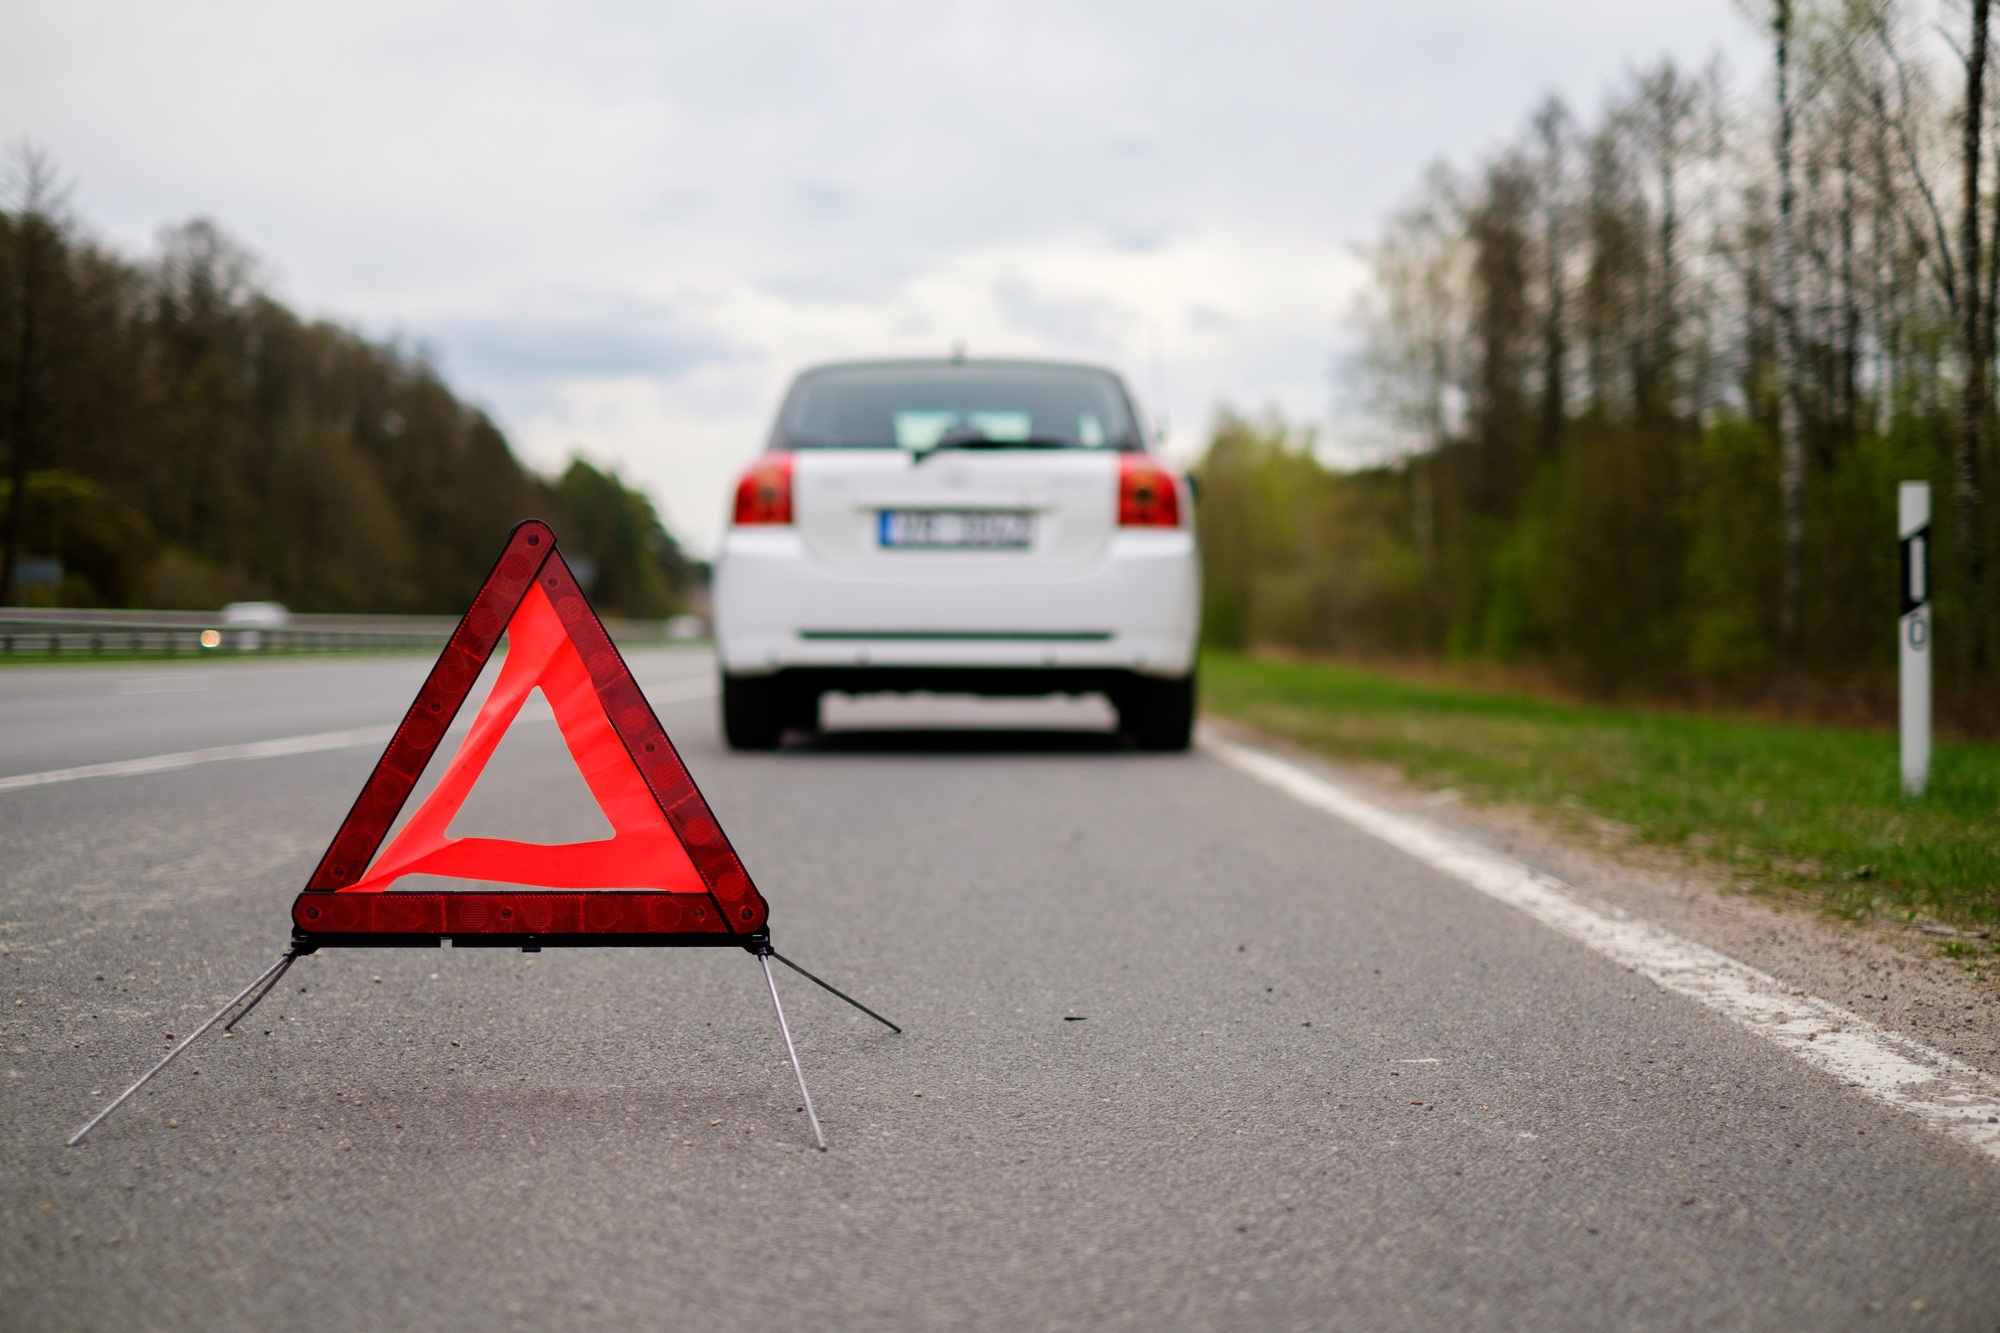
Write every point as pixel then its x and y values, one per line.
pixel 176 437
pixel 1651 383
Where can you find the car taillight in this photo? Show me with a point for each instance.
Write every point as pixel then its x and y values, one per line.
pixel 765 493
pixel 1147 496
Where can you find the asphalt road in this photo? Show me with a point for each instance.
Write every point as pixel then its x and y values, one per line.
pixel 1310 1083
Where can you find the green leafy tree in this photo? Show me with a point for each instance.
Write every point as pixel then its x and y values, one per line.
pixel 178 437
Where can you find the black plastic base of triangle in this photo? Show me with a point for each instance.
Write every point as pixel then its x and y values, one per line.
pixel 305 942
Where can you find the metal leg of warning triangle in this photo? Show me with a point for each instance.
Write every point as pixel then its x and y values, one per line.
pixel 269 974
pixel 269 986
pixel 785 1031
pixel 836 990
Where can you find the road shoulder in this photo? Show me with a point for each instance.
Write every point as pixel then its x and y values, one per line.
pixel 1890 973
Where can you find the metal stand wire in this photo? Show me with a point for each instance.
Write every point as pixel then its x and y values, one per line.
pixel 258 998
pixel 785 1031
pixel 269 974
pixel 267 981
pixel 836 990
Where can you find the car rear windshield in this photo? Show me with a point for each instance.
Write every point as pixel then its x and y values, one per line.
pixel 952 405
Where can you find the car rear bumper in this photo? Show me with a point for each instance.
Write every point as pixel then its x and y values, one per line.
pixel 1109 681
pixel 1135 608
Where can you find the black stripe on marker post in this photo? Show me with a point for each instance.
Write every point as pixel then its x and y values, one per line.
pixel 1916 569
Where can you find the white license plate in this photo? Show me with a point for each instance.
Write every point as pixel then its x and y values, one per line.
pixel 956 529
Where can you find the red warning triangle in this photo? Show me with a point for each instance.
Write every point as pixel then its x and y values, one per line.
pixel 667 871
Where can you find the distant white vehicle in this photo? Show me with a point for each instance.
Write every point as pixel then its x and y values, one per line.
pixel 256 615
pixel 986 527
pixel 685 627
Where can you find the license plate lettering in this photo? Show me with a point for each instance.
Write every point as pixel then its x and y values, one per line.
pixel 956 529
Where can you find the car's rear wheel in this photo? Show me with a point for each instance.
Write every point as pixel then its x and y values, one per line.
pixel 798 708
pixel 750 712
pixel 1158 714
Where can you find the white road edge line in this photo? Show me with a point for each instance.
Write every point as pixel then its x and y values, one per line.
pixel 1942 1091
pixel 674 692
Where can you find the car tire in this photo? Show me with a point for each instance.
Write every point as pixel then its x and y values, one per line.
pixel 1158 714
pixel 750 716
pixel 798 709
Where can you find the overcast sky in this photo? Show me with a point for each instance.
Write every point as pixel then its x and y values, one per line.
pixel 622 227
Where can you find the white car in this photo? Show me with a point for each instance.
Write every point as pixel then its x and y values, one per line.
pixel 256 615
pixel 984 527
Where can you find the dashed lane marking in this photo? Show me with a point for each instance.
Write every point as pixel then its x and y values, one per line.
pixel 671 692
pixel 1942 1091
pixel 215 754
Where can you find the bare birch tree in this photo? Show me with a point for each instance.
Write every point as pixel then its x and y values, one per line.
pixel 1972 393
pixel 1784 292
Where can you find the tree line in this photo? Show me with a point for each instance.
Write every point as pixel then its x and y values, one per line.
pixel 175 436
pixel 1650 381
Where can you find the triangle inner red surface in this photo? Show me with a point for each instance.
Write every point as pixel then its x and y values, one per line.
pixel 643 851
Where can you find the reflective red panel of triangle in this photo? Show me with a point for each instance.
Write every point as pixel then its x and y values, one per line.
pixel 667 874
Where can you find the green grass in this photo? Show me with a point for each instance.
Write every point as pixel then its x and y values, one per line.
pixel 1789 808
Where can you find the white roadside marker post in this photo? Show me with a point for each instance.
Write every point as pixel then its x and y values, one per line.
pixel 1913 633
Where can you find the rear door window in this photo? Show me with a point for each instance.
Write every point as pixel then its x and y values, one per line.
pixel 922 407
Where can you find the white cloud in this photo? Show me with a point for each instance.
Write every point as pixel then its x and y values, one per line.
pixel 624 225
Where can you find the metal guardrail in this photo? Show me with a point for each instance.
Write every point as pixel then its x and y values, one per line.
pixel 40 633
pixel 51 637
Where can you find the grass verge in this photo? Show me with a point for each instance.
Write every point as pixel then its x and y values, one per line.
pixel 1798 809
